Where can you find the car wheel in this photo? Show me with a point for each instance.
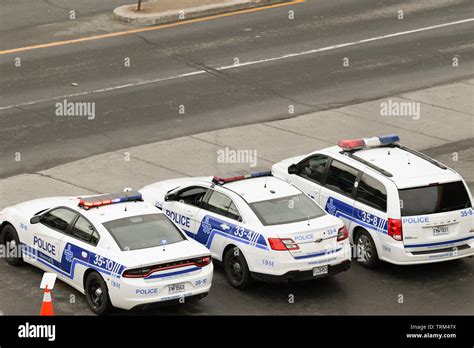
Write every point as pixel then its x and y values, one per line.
pixel 236 269
pixel 366 251
pixel 12 243
pixel 97 294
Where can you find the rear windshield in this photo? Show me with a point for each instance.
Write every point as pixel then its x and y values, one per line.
pixel 286 210
pixel 143 231
pixel 434 199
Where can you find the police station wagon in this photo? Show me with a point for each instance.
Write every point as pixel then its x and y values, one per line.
pixel 118 250
pixel 400 206
pixel 258 226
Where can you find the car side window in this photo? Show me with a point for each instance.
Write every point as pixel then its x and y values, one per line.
pixel 192 195
pixel 341 178
pixel 313 168
pixel 58 219
pixel 85 231
pixel 221 204
pixel 372 192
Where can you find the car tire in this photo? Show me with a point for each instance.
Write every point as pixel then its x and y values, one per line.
pixel 367 254
pixel 10 240
pixel 97 294
pixel 236 269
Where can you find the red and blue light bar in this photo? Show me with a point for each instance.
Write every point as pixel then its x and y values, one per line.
pixel 358 144
pixel 222 181
pixel 98 201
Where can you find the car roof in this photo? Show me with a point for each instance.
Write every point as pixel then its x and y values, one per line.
pixel 407 169
pixel 262 188
pixel 114 211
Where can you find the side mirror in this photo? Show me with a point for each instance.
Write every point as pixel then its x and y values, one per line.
pixel 170 197
pixel 35 219
pixel 293 169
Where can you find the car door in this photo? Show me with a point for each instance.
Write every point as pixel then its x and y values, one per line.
pixel 182 206
pixel 337 192
pixel 309 175
pixel 219 218
pixel 370 206
pixel 77 246
pixel 49 234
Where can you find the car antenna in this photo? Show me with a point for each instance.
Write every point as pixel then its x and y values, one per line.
pixel 127 189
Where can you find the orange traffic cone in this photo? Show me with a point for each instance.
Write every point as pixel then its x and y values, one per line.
pixel 47 305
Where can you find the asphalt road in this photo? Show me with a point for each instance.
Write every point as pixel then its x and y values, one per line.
pixel 437 289
pixel 193 65
pixel 134 105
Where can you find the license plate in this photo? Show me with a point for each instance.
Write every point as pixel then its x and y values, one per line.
pixel 320 270
pixel 176 288
pixel 440 230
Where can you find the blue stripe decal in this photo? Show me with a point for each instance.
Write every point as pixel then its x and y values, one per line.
pixel 438 243
pixel 211 226
pixel 169 274
pixel 325 252
pixel 339 208
pixel 73 255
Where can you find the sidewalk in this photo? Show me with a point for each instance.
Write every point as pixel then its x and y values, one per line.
pixel 446 116
pixel 165 11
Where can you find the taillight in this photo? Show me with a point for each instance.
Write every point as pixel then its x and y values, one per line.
pixel 342 233
pixel 146 271
pixel 282 244
pixel 395 229
pixel 133 273
pixel 203 261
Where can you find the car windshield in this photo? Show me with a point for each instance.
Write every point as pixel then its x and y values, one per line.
pixel 434 199
pixel 143 231
pixel 286 210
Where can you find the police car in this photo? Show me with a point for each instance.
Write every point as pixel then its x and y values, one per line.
pixel 116 249
pixel 258 226
pixel 400 206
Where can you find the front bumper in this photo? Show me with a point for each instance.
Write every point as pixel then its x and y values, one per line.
pixel 138 292
pixel 293 276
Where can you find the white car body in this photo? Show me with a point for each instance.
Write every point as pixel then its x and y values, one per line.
pixel 424 238
pixel 71 258
pixel 316 237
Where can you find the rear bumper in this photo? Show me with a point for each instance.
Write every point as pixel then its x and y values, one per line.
pixel 302 275
pixel 133 293
pixel 400 255
pixel 146 306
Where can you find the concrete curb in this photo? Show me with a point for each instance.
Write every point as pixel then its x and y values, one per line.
pixel 128 14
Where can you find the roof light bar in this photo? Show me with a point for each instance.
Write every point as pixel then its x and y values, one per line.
pixel 98 201
pixel 358 144
pixel 222 181
pixel 389 139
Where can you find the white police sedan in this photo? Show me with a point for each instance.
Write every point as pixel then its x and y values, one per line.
pixel 259 226
pixel 400 205
pixel 118 250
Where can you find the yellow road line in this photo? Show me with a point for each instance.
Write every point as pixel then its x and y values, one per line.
pixel 141 30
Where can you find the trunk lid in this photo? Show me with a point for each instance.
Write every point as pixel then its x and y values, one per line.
pixel 317 239
pixel 162 254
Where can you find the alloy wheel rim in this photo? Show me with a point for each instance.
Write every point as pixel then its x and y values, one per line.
pixel 365 248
